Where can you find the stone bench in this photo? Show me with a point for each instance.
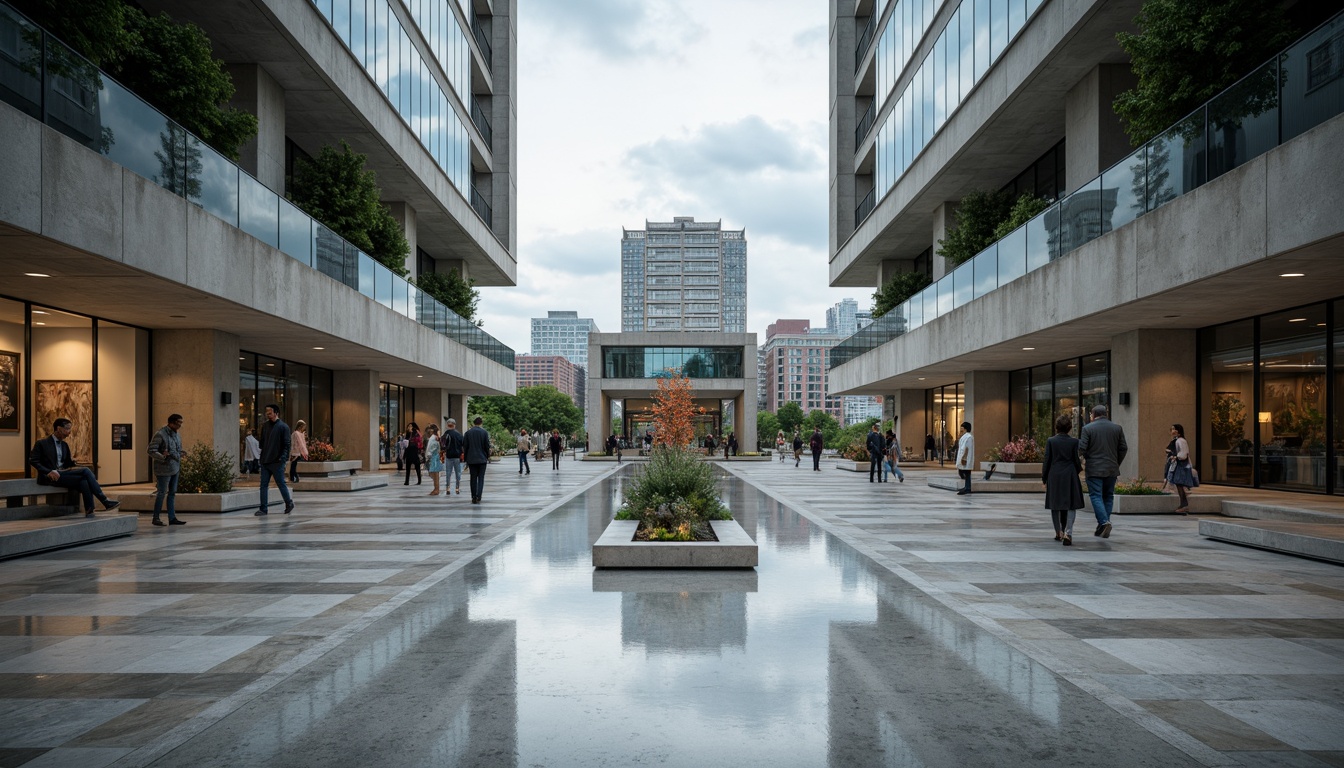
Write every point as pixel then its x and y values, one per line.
pixel 25 492
pixel 329 468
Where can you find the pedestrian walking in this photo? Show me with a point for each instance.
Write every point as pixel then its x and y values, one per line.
pixel 275 442
pixel 1179 472
pixel 816 443
pixel 298 449
pixel 779 445
pixel 165 451
pixel 476 444
pixel 894 457
pixel 524 446
pixel 56 466
pixel 709 444
pixel 451 446
pixel 411 454
pixel 1103 448
pixel 797 448
pixel 930 448
pixel 251 453
pixel 1059 474
pixel 433 455
pixel 965 457
pixel 876 447
pixel 401 452
pixel 732 443
pixel 556 446
pixel 614 447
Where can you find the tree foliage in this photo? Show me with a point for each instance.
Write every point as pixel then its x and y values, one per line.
pixel 1187 51
pixel 978 214
pixel 536 409
pixel 338 191
pixel 169 64
pixel 1024 209
pixel 895 291
pixel 453 292
pixel 767 426
pixel 674 412
pixel 790 417
pixel 830 428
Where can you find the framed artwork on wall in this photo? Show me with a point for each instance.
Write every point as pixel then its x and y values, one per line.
pixel 72 400
pixel 9 391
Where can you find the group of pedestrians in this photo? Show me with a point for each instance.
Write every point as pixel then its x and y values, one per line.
pixel 445 454
pixel 884 455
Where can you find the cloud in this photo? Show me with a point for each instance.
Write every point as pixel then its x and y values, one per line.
pixel 590 252
pixel 748 145
pixel 616 29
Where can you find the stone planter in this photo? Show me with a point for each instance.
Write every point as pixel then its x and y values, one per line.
pixel 329 468
pixel 1014 470
pixel 229 501
pixel 848 465
pixel 616 548
pixel 1164 504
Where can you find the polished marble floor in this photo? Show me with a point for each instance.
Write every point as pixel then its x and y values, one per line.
pixel 887 625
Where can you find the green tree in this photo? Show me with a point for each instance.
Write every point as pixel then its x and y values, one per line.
pixel 1187 51
pixel 830 428
pixel 511 410
pixel 767 426
pixel 854 434
pixel 338 191
pixel 978 213
pixel 548 408
pixel 97 29
pixel 1024 209
pixel 895 291
pixel 453 292
pixel 790 416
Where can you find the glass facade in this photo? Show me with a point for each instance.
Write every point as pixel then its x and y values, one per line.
pixel 656 263
pixel 944 409
pixel 302 392
pixel 655 362
pixel 1037 396
pixel 1270 391
pixel 901 35
pixel 395 406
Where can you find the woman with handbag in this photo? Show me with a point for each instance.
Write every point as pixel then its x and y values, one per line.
pixel 1179 471
pixel 433 456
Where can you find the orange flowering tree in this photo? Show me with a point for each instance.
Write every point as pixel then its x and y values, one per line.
pixel 674 411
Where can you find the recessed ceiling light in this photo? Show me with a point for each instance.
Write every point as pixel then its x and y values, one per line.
pixel 1027 349
pixel 419 376
pixel 1073 365
pixel 242 358
pixel 270 365
pixel 319 347
pixel 35 274
pixel 921 378
pixel 1292 274
pixel 1320 325
pixel 38 312
pixel 1297 320
pixel 39 323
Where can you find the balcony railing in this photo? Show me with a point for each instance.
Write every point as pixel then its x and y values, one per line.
pixel 865 207
pixel 1287 96
pixel 865 38
pixel 52 83
pixel 482 124
pixel 483 41
pixel 482 207
pixel 865 124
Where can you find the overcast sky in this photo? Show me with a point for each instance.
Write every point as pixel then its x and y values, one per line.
pixel 647 109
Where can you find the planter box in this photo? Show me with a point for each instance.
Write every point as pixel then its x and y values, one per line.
pixel 1012 470
pixel 847 465
pixel 1165 504
pixel 617 548
pixel 238 498
pixel 329 468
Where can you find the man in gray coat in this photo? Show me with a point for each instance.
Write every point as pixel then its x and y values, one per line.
pixel 476 444
pixel 1103 448
pixel 165 448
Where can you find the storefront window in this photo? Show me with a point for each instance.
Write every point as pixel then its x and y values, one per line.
pixel 945 407
pixel 1338 401
pixel 1019 402
pixel 1042 403
pixel 122 392
pixel 1096 384
pixel 248 408
pixel 396 404
pixel 1292 399
pixel 13 375
pixel 62 368
pixel 1226 442
pixel 1037 396
pixel 302 392
pixel 1066 396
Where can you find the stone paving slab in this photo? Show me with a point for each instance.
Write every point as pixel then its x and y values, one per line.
pixel 1234 655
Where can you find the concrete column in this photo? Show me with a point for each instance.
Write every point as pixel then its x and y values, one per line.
pixel 190 370
pixel 1094 138
pixel 257 93
pixel 355 415
pixel 889 268
pixel 746 424
pixel 987 408
pixel 944 218
pixel 405 216
pixel 1157 369
pixel 457 409
pixel 843 121
pixel 503 111
pixel 908 407
pixel 431 406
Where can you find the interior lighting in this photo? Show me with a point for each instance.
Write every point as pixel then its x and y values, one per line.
pixel 35 274
pixel 1292 274
pixel 1298 320
pixel 319 347
pixel 1264 417
pixel 1027 349
pixel 39 312
pixel 39 323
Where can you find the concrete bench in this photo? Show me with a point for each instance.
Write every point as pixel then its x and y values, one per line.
pixel 25 492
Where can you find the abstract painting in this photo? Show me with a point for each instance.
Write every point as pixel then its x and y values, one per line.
pixel 72 400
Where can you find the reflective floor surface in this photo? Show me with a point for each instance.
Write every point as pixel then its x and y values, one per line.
pixel 530 657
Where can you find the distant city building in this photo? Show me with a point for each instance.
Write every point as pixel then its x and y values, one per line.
pixel 845 318
pixel 684 275
pixel 564 334
pixel 556 370
pixel 861 408
pixel 794 363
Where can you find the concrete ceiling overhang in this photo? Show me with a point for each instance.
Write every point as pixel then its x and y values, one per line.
pixel 639 389
pixel 96 286
pixel 962 157
pixel 318 114
pixel 1233 295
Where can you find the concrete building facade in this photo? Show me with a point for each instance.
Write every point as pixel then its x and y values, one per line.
pixel 1194 279
pixel 563 333
pixel 149 274
pixel 684 275
pixel 625 372
pixel 795 360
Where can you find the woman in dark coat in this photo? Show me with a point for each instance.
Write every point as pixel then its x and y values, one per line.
pixel 1059 473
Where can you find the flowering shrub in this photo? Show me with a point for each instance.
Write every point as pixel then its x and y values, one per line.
pixel 855 452
pixel 1136 487
pixel 673 497
pixel 1020 450
pixel 320 450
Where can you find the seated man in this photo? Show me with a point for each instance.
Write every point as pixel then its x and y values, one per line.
pixel 56 466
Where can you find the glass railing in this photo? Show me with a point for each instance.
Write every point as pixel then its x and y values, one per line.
pixel 865 123
pixel 482 207
pixel 865 38
pixel 50 82
pixel 483 125
pixel 1288 95
pixel 865 207
pixel 483 42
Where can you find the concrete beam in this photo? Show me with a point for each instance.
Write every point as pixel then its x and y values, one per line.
pixel 1094 136
pixel 257 93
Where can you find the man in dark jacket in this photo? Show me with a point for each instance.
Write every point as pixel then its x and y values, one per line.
pixel 876 447
pixel 816 444
pixel 275 437
pixel 56 466
pixel 477 446
pixel 452 457
pixel 1103 448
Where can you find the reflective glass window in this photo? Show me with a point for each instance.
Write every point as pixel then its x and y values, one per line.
pixel 998 28
pixel 1293 385
pixel 982 34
